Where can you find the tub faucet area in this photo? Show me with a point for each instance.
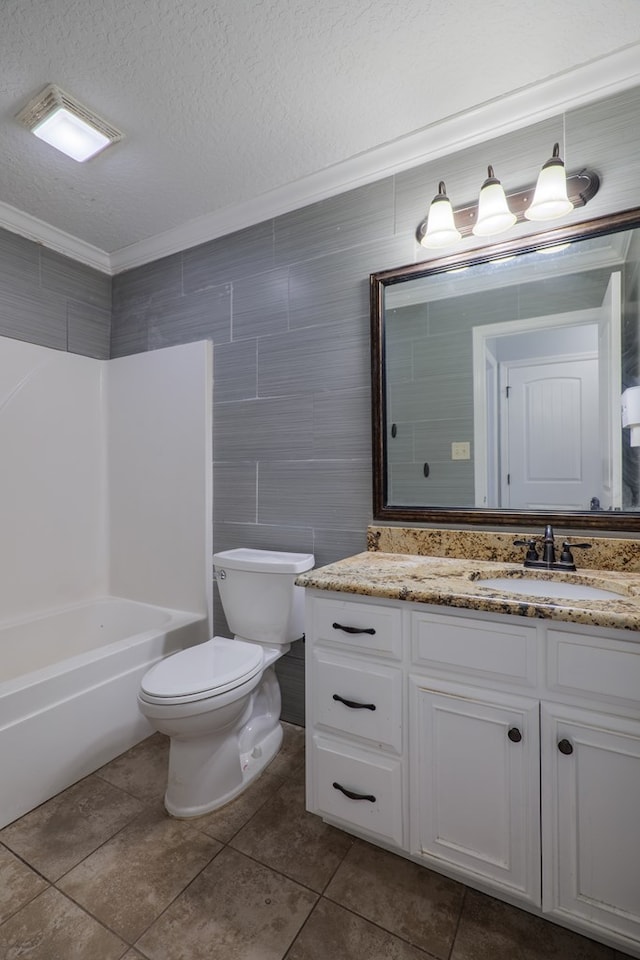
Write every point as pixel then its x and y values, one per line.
pixel 548 559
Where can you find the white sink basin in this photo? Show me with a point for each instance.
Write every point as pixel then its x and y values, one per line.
pixel 556 589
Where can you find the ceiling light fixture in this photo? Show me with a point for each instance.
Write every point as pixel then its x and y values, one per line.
pixel 555 195
pixel 67 125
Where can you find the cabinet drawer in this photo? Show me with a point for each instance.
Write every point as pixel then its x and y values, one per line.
pixel 506 653
pixel 604 670
pixel 360 626
pixel 373 695
pixel 374 781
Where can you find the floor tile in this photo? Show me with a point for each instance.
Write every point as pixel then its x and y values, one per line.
pixel 224 823
pixel 142 770
pixel 492 930
pixel 51 927
pixel 130 880
pixel 18 884
pixel 291 753
pixel 234 910
pixel 406 899
pixel 56 836
pixel 284 836
pixel 332 932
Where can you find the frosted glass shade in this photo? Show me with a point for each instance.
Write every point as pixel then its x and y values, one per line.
pixel 494 215
pixel 550 199
pixel 441 228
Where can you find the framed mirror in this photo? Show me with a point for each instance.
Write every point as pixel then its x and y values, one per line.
pixel 498 377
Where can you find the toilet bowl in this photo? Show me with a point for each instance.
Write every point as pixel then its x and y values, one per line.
pixel 219 701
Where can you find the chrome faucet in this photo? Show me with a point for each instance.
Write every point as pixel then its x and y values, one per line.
pixel 548 559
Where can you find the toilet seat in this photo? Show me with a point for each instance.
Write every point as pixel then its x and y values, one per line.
pixel 204 671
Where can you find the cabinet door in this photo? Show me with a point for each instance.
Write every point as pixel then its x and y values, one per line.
pixel 591 818
pixel 475 785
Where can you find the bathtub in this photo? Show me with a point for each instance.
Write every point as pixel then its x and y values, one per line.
pixel 68 686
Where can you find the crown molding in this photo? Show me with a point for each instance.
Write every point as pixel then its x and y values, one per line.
pixel 523 107
pixel 34 229
pixel 565 91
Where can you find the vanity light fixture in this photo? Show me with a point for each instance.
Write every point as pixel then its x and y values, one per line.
pixel 555 195
pixel 67 125
pixel 494 215
pixel 440 229
pixel 550 200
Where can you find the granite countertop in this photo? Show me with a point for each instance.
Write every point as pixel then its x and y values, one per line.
pixel 457 583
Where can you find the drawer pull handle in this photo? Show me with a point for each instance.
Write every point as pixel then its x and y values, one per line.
pixel 566 747
pixel 353 704
pixel 354 796
pixel 514 735
pixel 339 626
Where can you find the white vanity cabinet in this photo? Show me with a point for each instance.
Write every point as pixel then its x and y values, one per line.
pixel 500 750
pixel 355 694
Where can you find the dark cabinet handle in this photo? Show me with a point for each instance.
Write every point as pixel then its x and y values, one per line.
pixel 566 747
pixel 353 704
pixel 354 796
pixel 340 626
pixel 514 735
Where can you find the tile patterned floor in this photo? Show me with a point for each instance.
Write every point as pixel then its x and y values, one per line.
pixel 100 872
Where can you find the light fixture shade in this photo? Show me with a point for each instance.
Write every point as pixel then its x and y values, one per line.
pixel 441 229
pixel 550 199
pixel 494 215
pixel 67 125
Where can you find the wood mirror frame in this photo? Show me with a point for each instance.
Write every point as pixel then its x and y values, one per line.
pixel 605 520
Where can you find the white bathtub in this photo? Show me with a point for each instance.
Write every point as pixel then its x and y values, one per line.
pixel 68 686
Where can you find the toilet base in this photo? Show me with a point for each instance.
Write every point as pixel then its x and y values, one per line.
pixel 252 765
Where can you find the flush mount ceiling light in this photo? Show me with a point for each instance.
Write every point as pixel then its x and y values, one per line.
pixel 67 125
pixel 555 195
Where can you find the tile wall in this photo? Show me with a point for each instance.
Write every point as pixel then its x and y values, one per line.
pixel 51 300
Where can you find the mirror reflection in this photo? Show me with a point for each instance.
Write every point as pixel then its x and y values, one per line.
pixel 500 377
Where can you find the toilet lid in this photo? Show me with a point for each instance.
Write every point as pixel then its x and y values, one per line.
pixel 205 670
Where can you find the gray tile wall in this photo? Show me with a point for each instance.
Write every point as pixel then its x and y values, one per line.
pixel 51 300
pixel 286 306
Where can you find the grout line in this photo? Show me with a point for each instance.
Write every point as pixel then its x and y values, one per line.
pixel 459 921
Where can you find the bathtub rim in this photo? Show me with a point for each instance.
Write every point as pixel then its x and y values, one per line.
pixel 15 685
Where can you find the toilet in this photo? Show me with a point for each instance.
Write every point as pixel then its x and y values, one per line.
pixel 219 701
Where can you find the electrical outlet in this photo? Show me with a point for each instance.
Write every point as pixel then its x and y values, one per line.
pixel 461 450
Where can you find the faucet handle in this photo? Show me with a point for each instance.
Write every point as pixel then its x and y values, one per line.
pixel 532 548
pixel 566 556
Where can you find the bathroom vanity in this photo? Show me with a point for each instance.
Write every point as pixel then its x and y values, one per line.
pixel 490 735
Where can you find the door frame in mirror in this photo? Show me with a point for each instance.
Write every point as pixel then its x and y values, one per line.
pixel 617 520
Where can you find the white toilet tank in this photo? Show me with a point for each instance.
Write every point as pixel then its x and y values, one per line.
pixel 258 593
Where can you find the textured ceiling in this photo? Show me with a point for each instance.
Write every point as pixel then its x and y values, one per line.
pixel 223 102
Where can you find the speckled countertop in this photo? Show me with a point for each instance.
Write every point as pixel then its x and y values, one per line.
pixel 457 582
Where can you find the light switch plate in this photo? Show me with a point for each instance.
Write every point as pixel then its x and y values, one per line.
pixel 461 450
